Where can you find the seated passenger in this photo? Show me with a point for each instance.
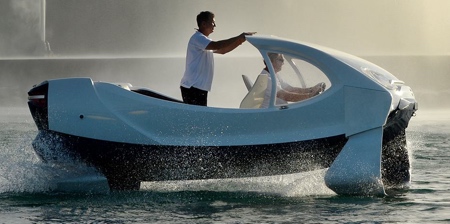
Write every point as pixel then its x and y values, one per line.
pixel 285 92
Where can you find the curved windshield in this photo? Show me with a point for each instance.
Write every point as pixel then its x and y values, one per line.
pixel 296 80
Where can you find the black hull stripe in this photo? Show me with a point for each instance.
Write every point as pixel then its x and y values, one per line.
pixel 156 162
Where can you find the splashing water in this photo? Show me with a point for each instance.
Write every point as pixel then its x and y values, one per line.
pixel 20 168
pixel 291 185
pixel 22 171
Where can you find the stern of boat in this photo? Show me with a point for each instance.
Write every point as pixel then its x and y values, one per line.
pixel 38 105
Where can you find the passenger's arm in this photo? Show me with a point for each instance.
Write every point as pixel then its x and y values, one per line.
pixel 302 95
pixel 299 90
pixel 320 87
pixel 293 97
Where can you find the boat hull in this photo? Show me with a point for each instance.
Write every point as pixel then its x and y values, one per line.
pixel 125 165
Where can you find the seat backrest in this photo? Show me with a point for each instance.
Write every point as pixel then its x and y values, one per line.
pixel 255 96
pixel 247 82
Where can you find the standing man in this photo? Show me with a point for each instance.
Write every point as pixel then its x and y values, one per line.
pixel 199 73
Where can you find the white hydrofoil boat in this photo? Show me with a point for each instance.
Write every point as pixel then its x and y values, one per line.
pixel 355 127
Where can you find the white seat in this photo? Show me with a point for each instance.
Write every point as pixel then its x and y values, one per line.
pixel 247 82
pixel 255 96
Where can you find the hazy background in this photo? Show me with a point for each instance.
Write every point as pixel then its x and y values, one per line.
pixel 143 42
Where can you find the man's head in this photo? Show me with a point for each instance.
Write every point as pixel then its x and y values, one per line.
pixel 277 60
pixel 206 22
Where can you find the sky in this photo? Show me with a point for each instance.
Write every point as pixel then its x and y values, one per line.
pixel 161 28
pixel 373 29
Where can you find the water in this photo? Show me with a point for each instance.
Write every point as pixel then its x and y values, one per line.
pixel 30 191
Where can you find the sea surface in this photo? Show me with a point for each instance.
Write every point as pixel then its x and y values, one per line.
pixel 34 192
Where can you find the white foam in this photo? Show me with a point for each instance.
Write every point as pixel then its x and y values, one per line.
pixel 290 185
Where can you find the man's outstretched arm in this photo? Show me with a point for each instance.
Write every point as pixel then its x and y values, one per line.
pixel 225 46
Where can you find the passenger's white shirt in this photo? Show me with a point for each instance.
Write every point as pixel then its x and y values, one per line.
pixel 199 71
pixel 280 85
